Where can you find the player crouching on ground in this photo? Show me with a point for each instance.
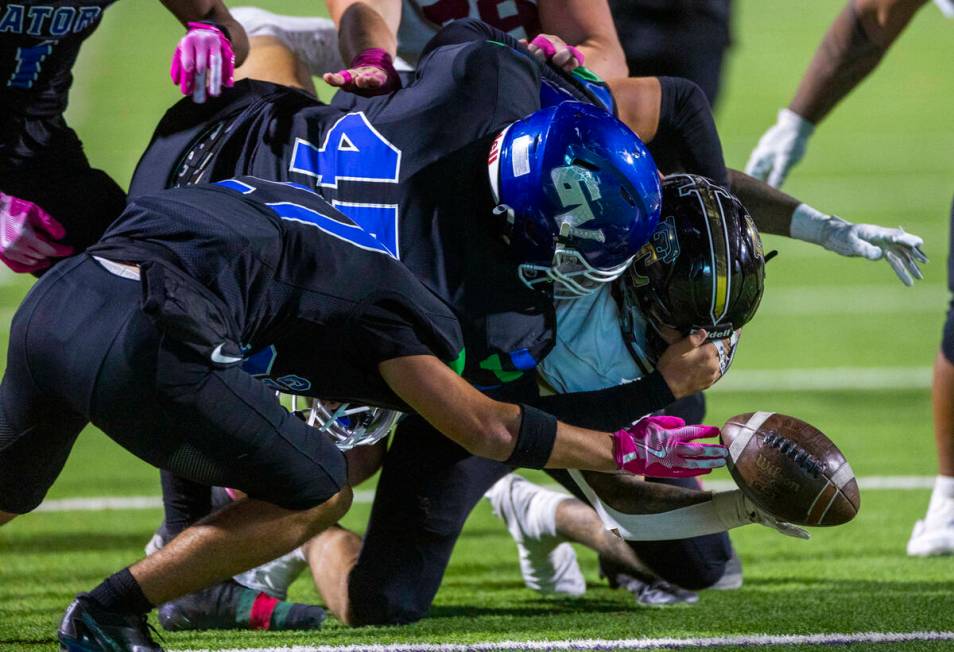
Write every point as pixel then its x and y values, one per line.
pixel 701 269
pixel 165 307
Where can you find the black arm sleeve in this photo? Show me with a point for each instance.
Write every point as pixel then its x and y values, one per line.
pixel 687 139
pixel 609 409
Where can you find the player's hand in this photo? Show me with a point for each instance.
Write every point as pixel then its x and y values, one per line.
pixel 203 62
pixel 760 517
pixel 692 365
pixel 549 48
pixel 27 235
pixel 780 148
pixel 901 250
pixel 662 447
pixel 370 73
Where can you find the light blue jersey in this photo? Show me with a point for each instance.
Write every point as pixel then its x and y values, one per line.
pixel 590 353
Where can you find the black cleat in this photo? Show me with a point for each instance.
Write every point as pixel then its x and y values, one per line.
pixel 87 627
pixel 230 605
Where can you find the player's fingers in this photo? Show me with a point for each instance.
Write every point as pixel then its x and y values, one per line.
pixel 689 433
pixel 702 451
pixel 792 531
pixel 909 262
pixel 199 87
pixel 899 269
pixel 201 59
pixel 47 223
pixel 698 337
pixel 215 74
pixel 703 463
pixel 868 250
pixel 62 250
pixel 577 55
pixel 776 176
pixel 537 53
pixel 667 421
pixel 758 165
pixel 919 255
pixel 333 79
pixel 561 57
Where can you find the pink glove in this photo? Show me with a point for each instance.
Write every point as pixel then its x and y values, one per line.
pixel 658 447
pixel 203 60
pixel 26 236
pixel 370 73
pixel 556 51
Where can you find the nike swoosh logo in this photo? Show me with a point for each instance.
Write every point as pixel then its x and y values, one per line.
pixel 219 358
pixel 629 457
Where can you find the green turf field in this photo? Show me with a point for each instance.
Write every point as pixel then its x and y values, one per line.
pixel 828 326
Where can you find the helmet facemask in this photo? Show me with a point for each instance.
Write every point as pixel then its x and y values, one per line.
pixel 348 425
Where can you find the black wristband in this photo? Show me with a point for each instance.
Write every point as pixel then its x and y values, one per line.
pixel 219 26
pixel 535 440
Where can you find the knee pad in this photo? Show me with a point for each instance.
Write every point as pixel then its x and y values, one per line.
pixel 947 337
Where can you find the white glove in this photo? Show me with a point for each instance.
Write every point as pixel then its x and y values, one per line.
pixel 901 250
pixel 781 147
pixel 735 509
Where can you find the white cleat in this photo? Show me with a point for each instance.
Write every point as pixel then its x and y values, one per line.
pixel 934 534
pixel 314 40
pixel 548 563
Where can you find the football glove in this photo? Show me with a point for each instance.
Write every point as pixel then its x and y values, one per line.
pixel 203 62
pixel 780 148
pixel 27 234
pixel 661 447
pixel 901 250
pixel 371 73
pixel 546 47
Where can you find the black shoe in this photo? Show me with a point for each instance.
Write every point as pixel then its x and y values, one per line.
pixel 87 627
pixel 230 605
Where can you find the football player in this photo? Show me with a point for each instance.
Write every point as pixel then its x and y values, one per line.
pixel 42 164
pixel 851 49
pixel 166 306
pixel 613 336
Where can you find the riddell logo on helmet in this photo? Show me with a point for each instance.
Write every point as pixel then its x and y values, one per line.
pixel 495 149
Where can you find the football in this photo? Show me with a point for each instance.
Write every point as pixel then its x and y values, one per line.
pixel 791 469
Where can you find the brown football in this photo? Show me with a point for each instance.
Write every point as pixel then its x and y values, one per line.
pixel 791 469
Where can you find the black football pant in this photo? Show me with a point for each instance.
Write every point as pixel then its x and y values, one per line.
pixel 81 351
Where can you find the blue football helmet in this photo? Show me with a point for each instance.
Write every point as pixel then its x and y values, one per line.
pixel 580 194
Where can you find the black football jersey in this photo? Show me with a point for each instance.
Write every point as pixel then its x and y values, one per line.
pixel 410 167
pixel 318 302
pixel 39 42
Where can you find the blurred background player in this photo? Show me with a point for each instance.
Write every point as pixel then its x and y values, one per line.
pixel 851 49
pixel 676 38
pixel 43 169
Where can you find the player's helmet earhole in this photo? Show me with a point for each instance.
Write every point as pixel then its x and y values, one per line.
pixel 586 165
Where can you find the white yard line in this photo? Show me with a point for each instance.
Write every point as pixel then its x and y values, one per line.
pixel 824 379
pixel 752 640
pixel 365 496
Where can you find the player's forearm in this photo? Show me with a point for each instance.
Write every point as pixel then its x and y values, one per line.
pixel 611 408
pixel 770 208
pixel 364 25
pixel 851 49
pixel 216 12
pixel 605 57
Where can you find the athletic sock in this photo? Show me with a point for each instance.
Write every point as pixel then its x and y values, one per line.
pixel 121 592
pixel 184 502
pixel 944 486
